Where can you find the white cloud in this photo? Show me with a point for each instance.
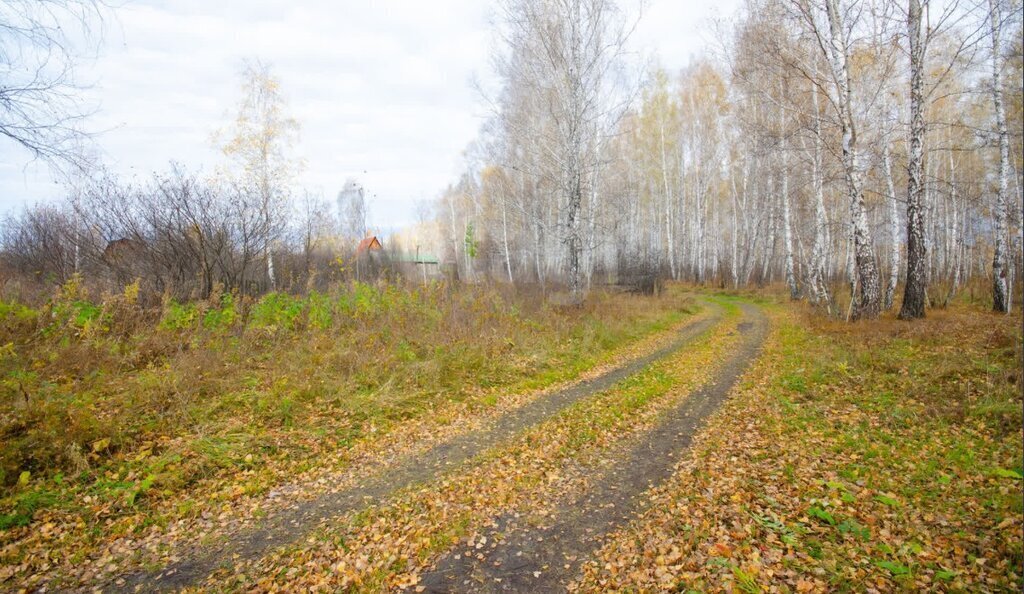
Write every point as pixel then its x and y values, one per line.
pixel 379 87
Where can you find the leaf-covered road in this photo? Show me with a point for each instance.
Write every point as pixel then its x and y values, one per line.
pixel 291 524
pixel 544 556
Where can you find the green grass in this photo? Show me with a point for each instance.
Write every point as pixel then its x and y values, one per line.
pixel 930 424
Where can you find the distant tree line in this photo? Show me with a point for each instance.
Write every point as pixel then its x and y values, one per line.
pixel 178 234
pixel 244 228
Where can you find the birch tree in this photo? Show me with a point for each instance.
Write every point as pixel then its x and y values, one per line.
pixel 1000 290
pixel 783 170
pixel 259 143
pixel 835 44
pixel 660 128
pixel 787 231
pixel 819 252
pixel 352 210
pixel 915 293
pixel 894 222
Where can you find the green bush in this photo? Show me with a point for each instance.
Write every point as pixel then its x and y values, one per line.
pixel 319 315
pixel 80 316
pixel 359 300
pixel 178 316
pixel 222 317
pixel 276 311
pixel 17 312
pixel 16 319
pixel 71 310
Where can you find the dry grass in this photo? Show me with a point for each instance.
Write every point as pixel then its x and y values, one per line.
pixel 117 405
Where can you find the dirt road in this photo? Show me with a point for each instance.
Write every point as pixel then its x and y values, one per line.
pixel 544 558
pixel 293 523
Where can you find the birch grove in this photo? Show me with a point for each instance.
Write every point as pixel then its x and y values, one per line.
pixel 797 154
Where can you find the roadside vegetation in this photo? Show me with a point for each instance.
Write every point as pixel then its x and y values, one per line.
pixel 878 456
pixel 115 416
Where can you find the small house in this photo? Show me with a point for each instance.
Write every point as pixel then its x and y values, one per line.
pixel 368 244
pixel 418 265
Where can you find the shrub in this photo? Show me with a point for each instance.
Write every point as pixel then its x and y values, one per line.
pixel 276 311
pixel 360 300
pixel 16 320
pixel 222 317
pixel 319 315
pixel 170 383
pixel 17 312
pixel 178 316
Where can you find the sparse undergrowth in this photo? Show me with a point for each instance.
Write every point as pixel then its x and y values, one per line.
pixel 870 457
pixel 114 418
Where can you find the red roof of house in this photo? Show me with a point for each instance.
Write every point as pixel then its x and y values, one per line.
pixel 368 243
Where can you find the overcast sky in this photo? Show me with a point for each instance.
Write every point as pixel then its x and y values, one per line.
pixel 381 89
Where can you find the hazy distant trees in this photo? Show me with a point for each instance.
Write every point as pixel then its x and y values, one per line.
pixel 179 233
pixel 316 224
pixel 560 73
pixel 39 243
pixel 352 210
pixel 779 160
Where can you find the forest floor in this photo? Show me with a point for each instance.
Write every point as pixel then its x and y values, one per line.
pixel 748 445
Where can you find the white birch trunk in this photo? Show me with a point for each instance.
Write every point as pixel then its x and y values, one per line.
pixel 867 302
pixel 894 226
pixel 667 193
pixel 819 259
pixel 1000 292
pixel 787 233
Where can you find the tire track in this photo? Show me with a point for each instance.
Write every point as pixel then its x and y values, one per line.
pixel 546 558
pixel 291 524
